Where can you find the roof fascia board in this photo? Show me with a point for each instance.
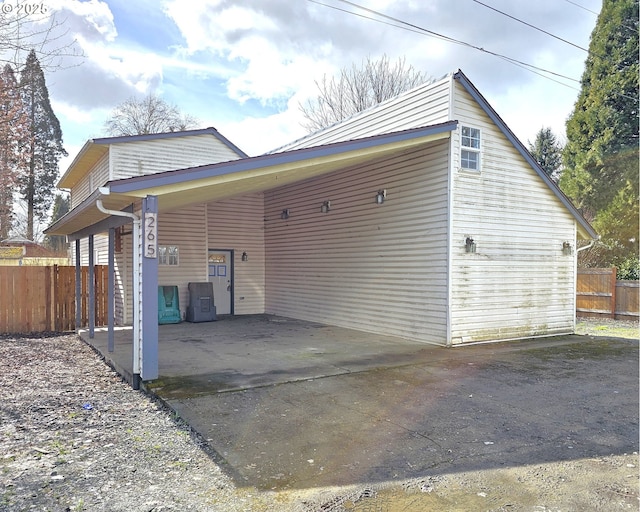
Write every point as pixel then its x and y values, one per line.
pixel 484 104
pixel 78 211
pixel 168 178
pixel 108 141
pixel 104 225
pixel 171 135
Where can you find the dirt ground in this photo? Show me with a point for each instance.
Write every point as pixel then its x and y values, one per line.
pixel 74 437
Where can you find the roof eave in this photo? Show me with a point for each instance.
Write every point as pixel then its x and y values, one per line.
pixel 168 178
pixel 69 179
pixel 72 175
pixel 174 188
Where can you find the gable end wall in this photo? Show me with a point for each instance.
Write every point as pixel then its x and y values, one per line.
pixel 152 156
pixel 518 283
pixel 95 178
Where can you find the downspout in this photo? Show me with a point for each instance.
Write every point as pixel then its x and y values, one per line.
pixel 591 244
pixel 137 320
pixel 575 277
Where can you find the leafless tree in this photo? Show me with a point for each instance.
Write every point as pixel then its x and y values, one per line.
pixel 25 27
pixel 151 114
pixel 358 88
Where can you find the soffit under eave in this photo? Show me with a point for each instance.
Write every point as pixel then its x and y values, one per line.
pixel 584 234
pixel 84 162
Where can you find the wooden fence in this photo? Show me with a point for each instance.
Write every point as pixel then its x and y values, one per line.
pixel 599 294
pixel 42 299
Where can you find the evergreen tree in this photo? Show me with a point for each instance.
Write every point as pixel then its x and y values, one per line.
pixel 37 181
pixel 601 155
pixel 547 151
pixel 13 138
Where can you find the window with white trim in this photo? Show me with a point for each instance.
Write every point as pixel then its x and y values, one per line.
pixel 470 148
pixel 168 255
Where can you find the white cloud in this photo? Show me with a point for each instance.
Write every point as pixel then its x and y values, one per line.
pixel 251 42
pixel 92 19
pixel 256 136
pixel 227 60
pixel 72 113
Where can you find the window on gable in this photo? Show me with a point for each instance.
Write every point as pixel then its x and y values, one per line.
pixel 470 148
pixel 168 255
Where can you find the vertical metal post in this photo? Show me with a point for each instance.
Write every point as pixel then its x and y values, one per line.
pixel 149 369
pixel 78 287
pixel 137 303
pixel 110 290
pixel 92 291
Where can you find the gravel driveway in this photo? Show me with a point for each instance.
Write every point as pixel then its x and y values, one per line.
pixel 74 437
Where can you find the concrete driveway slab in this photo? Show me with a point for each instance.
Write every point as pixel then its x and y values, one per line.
pixel 400 423
pixel 378 410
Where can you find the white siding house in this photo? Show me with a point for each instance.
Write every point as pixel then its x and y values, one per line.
pixel 468 242
pixel 114 158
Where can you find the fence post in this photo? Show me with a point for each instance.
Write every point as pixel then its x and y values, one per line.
pixel 47 298
pixel 614 281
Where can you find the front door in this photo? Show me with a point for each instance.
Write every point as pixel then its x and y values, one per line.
pixel 221 275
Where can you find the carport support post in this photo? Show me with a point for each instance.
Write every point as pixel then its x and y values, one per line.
pixel 92 291
pixel 149 335
pixel 110 289
pixel 78 287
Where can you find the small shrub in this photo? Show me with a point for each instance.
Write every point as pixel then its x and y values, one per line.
pixel 629 269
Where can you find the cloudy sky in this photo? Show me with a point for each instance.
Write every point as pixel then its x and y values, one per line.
pixel 244 66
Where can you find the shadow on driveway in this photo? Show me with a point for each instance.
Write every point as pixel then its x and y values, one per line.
pixel 291 405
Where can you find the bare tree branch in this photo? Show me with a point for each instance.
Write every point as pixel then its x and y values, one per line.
pixel 40 30
pixel 149 115
pixel 358 88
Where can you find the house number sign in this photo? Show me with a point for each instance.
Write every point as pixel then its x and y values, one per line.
pixel 150 235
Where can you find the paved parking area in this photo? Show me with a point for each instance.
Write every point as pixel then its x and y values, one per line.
pixel 290 404
pixel 257 350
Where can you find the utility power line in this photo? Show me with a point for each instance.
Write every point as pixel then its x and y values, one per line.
pixel 581 7
pixel 531 26
pixel 398 23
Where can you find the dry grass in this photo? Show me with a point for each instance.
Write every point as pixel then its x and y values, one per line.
pixel 608 327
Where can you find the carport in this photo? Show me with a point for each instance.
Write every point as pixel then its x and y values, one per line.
pixel 139 200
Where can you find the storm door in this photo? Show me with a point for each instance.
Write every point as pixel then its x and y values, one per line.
pixel 221 275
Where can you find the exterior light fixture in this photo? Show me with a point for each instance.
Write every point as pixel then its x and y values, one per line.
pixel 245 256
pixel 325 207
pixel 285 213
pixel 469 245
pixel 567 249
pixel 381 196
